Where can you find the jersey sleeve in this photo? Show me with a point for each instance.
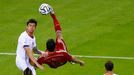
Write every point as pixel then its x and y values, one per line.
pixel 68 56
pixel 25 42
pixel 56 23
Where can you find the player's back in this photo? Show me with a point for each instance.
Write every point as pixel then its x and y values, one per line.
pixel 55 59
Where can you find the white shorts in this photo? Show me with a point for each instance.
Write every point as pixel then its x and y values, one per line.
pixel 23 64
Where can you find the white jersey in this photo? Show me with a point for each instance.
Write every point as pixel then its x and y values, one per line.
pixel 113 74
pixel 22 60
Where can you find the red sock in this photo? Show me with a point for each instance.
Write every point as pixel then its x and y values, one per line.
pixel 56 23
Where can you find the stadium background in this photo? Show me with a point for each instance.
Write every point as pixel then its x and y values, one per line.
pixel 90 27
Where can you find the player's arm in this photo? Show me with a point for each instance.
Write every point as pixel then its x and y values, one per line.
pixel 77 61
pixel 73 59
pixel 30 55
pixel 36 51
pixel 56 25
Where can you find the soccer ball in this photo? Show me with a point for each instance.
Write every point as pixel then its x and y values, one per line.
pixel 45 9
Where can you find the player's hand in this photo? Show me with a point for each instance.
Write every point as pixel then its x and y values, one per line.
pixel 40 66
pixel 51 9
pixel 82 63
pixel 52 12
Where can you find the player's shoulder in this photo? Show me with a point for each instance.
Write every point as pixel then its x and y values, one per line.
pixel 23 34
pixel 113 74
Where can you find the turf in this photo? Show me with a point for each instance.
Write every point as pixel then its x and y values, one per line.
pixel 89 27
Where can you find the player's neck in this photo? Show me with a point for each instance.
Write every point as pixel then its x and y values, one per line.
pixel 109 73
pixel 49 51
pixel 30 34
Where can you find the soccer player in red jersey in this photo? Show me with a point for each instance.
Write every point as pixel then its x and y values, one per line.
pixel 56 53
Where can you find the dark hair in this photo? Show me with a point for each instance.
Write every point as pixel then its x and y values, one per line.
pixel 50 45
pixel 109 65
pixel 32 21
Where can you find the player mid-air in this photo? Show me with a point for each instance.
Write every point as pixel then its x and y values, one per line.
pixel 56 53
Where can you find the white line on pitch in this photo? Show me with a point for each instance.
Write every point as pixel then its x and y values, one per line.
pixel 84 56
pixel 7 53
pixel 105 57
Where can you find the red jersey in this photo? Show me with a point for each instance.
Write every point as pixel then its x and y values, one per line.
pixel 55 59
pixel 60 45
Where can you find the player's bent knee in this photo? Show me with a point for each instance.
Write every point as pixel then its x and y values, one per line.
pixel 27 71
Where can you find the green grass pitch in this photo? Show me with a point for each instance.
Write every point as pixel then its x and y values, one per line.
pixel 89 27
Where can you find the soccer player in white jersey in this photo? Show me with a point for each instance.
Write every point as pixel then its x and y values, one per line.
pixel 26 47
pixel 109 68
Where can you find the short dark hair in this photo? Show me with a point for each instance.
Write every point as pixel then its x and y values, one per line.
pixel 50 45
pixel 109 65
pixel 32 21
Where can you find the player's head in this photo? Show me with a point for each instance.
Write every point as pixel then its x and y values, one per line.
pixel 50 45
pixel 31 25
pixel 109 65
pixel 32 21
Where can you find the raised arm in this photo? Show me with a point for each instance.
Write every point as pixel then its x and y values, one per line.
pixel 56 25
